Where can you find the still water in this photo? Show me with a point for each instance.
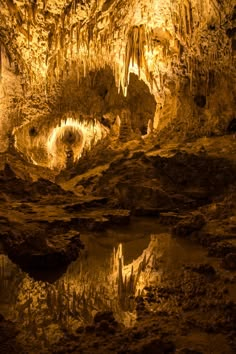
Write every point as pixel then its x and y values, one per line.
pixel 111 271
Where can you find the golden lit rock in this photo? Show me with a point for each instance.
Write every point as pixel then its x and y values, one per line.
pixel 117 176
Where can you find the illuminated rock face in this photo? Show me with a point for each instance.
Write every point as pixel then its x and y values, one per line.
pixel 10 95
pixel 56 134
pixel 183 50
pixel 55 144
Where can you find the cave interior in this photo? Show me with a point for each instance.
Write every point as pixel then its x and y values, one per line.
pixel 118 176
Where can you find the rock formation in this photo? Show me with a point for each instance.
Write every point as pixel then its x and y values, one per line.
pixel 112 111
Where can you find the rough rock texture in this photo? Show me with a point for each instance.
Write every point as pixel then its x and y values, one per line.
pixel 183 51
pixel 40 250
pixel 8 333
pixel 189 224
pixel 40 222
pixel 113 95
pixel 95 101
pixel 229 261
pixel 160 180
pixel 10 97
pixel 188 305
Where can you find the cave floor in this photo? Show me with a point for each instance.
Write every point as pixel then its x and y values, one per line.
pixel 173 208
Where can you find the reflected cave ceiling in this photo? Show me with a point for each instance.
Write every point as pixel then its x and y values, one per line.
pixel 184 51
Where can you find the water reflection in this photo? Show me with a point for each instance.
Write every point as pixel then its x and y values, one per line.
pixel 99 280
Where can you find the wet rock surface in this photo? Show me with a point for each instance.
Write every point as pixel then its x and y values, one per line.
pixel 191 313
pixel 40 222
pixel 189 224
pixel 229 261
pixel 8 333
pixel 192 308
pixel 40 251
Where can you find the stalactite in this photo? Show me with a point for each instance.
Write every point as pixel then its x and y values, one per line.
pixel 128 56
pixel 0 61
pixel 28 26
pixel 71 42
pixel 78 37
pixel 90 36
pixel 34 6
pixel 187 26
pixel 62 38
pixel 134 53
pixel 15 12
pixel 44 4
pixel 85 67
pixel 62 21
pixel 50 39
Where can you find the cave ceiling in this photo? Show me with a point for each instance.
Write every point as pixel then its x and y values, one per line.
pixel 51 39
pixel 184 51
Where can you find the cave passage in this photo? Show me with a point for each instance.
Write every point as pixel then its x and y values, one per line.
pixel 118 176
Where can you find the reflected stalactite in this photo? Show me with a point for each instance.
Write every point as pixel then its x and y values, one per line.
pixel 131 279
pixel 86 288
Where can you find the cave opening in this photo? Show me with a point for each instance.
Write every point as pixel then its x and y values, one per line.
pixel 117 176
pixel 86 113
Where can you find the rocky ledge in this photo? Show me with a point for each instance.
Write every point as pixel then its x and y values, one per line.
pixel 8 333
pixel 38 251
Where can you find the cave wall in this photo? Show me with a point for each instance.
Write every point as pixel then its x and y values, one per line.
pixel 94 99
pixel 10 95
pixel 56 140
pixel 97 96
pixel 183 50
pixel 185 115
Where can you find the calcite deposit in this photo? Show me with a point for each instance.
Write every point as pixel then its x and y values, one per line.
pixel 117 176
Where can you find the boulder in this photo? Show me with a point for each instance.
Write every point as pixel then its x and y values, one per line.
pixel 134 196
pixel 8 334
pixel 229 261
pixel 41 251
pixel 188 225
